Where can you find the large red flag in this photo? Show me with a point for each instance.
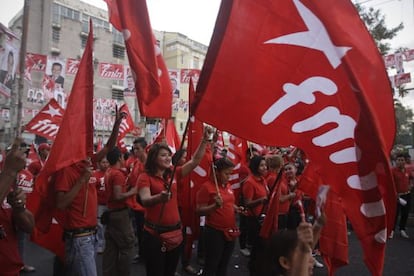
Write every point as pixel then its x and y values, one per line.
pixel 74 141
pixel 307 73
pixel 152 81
pixel 46 123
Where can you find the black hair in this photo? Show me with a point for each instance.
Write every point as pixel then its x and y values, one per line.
pixel 151 163
pixel 177 156
pixel 141 141
pixel 223 164
pixel 113 156
pixel 401 154
pixel 126 155
pixel 255 163
pixel 58 64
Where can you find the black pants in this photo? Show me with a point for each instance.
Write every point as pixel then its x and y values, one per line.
pixel 139 228
pixel 253 232
pixel 218 252
pixel 243 238
pixel 158 263
pixel 403 210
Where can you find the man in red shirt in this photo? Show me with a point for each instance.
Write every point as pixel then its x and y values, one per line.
pixel 402 186
pixel 97 179
pixel 13 213
pixel 119 234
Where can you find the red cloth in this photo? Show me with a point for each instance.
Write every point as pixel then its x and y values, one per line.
pixel 152 81
pixel 254 188
pixel 97 179
pixel 75 218
pixel 115 177
pixel 156 185
pixel 127 124
pixel 331 98
pixel 401 180
pixel 10 260
pixel 47 121
pixel 224 217
pixel 74 141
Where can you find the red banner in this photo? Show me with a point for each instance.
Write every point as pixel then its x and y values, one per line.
pixel 111 71
pixel 72 66
pixel 186 74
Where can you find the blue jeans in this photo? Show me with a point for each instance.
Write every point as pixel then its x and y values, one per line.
pixel 80 256
pixel 100 229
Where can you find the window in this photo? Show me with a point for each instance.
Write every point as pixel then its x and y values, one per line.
pixel 117 94
pixel 118 38
pixel 55 34
pixel 196 63
pixel 59 11
pixel 118 51
pixel 84 39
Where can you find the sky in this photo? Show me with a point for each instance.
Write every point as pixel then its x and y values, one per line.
pixel 196 19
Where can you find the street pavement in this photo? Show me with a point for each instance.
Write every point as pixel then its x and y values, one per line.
pixel 399 260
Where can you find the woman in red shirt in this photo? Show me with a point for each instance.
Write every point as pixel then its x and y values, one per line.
pixel 215 200
pixel 161 213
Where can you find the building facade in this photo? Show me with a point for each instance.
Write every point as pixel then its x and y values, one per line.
pixel 58 29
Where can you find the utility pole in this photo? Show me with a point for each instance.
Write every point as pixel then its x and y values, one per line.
pixel 22 67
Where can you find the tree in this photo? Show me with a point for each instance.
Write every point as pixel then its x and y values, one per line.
pixel 404 121
pixel 375 22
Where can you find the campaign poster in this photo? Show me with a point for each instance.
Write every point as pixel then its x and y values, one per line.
pixel 9 61
pixel 129 83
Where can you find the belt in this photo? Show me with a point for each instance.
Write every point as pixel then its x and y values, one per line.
pixel 162 228
pixel 80 232
pixel 406 193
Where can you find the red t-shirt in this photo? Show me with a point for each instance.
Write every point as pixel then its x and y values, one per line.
pixel 152 214
pixel 115 177
pixel 254 188
pixel 75 217
pixel 401 179
pixel 284 190
pixel 25 181
pixel 222 218
pixel 10 260
pixel 97 179
pixel 183 187
pixel 131 162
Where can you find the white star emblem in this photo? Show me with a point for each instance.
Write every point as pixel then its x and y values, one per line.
pixel 52 111
pixel 315 38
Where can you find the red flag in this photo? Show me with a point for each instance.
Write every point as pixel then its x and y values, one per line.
pixel 74 141
pixel 317 82
pixel 152 82
pixel 127 124
pixel 236 153
pixel 47 122
pixel 201 173
pixel 171 136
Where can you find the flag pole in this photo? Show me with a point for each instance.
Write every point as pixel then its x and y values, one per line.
pixel 22 65
pixel 175 167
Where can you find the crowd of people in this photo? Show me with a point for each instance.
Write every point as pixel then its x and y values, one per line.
pixel 115 203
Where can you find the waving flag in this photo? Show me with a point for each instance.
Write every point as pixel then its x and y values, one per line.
pixel 127 124
pixel 75 135
pixel 46 123
pixel 152 81
pixel 236 153
pixel 317 82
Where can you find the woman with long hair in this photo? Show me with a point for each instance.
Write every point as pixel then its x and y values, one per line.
pixel 162 234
